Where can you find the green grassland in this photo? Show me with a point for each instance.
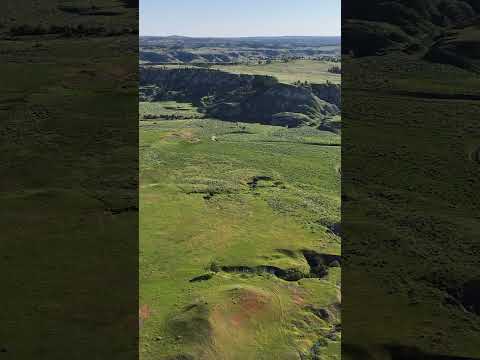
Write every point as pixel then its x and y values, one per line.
pixel 231 201
pixel 167 108
pixel 313 71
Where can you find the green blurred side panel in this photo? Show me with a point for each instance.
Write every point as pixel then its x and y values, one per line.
pixel 68 183
pixel 411 180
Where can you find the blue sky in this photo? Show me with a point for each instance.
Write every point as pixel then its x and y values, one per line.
pixel 240 17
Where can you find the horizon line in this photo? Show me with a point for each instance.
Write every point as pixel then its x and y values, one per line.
pixel 236 37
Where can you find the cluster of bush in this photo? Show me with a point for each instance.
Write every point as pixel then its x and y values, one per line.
pixel 287 59
pixel 167 117
pixel 335 69
pixel 329 58
pixel 305 84
pixel 68 30
pixel 264 81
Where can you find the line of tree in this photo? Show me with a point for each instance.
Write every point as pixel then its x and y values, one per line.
pixel 335 69
pixel 170 117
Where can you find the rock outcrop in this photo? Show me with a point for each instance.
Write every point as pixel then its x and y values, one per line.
pixel 247 98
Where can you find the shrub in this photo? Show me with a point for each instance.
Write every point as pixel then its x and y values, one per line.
pixel 335 69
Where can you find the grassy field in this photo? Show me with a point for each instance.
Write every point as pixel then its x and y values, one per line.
pixel 230 205
pixel 297 70
pixel 313 71
pixel 167 108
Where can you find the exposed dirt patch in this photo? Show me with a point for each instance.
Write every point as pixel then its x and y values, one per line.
pixel 298 296
pixel 248 304
pixel 143 314
pixel 186 135
pixel 235 320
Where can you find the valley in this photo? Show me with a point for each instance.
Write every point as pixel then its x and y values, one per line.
pixel 240 251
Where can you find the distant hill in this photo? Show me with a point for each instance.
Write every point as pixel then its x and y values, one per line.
pixel 181 49
pixel 282 41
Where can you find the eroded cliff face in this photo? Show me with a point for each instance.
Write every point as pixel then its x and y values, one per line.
pixel 249 98
pixel 328 92
pixel 194 83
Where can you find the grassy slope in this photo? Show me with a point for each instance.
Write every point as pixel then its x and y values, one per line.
pixel 182 233
pixel 419 217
